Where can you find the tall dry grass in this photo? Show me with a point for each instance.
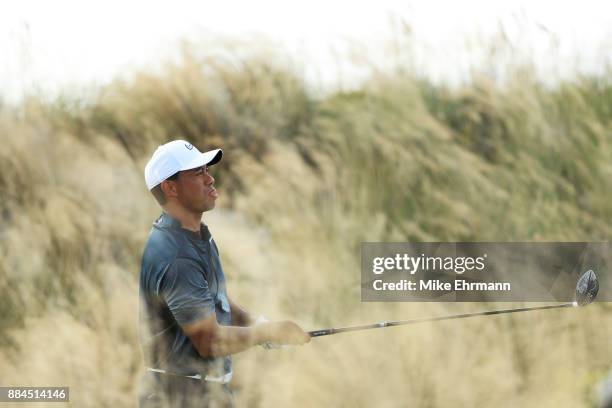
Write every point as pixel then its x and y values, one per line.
pixel 304 180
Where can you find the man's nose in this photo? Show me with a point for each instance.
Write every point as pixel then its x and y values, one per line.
pixel 210 180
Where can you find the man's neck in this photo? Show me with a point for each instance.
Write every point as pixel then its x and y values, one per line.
pixel 189 220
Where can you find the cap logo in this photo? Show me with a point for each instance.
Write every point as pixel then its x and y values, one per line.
pixel 189 146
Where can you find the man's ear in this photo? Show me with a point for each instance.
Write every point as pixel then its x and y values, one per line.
pixel 169 188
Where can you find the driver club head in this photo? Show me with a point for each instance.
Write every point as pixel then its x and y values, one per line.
pixel 587 288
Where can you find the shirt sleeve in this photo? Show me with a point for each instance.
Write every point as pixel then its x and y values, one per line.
pixel 185 291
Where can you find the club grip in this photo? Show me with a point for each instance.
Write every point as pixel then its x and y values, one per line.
pixel 317 333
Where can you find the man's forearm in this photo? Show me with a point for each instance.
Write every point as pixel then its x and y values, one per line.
pixel 213 340
pixel 229 340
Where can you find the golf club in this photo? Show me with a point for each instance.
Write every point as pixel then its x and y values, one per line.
pixel 586 291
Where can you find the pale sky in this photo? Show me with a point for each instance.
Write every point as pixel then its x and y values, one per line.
pixel 52 45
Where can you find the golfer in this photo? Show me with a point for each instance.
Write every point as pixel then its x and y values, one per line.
pixel 189 326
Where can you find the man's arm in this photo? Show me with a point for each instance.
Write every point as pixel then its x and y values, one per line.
pixel 213 340
pixel 240 317
pixel 186 293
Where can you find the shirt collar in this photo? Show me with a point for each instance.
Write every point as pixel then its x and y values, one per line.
pixel 167 221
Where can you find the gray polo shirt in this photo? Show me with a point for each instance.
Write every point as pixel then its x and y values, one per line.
pixel 181 282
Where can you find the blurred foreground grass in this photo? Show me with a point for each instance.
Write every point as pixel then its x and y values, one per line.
pixel 304 180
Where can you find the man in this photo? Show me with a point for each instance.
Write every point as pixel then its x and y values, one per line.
pixel 189 325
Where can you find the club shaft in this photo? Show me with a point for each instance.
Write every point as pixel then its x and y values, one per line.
pixel 327 332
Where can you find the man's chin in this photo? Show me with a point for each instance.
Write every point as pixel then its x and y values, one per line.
pixel 209 207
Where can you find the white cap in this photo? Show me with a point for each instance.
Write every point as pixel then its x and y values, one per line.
pixel 176 156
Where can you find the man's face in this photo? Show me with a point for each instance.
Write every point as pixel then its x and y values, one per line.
pixel 195 189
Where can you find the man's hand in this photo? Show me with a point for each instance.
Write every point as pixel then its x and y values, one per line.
pixel 283 332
